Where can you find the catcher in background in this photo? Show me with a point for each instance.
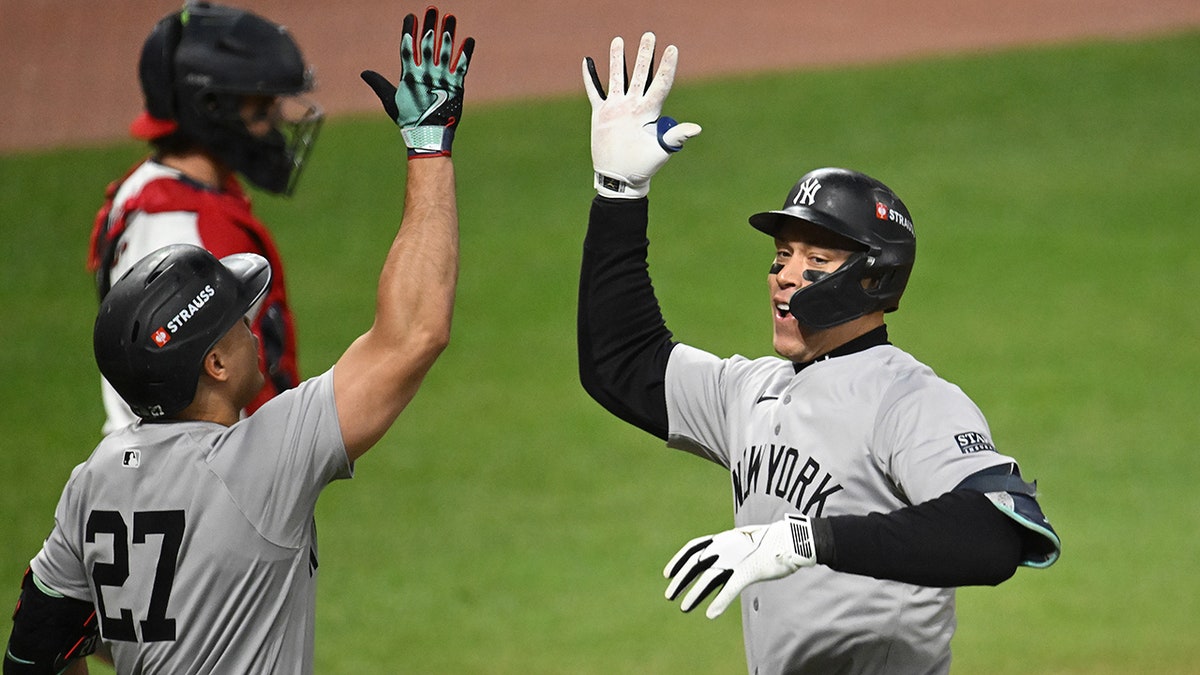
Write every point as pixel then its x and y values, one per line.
pixel 847 456
pixel 223 95
pixel 187 540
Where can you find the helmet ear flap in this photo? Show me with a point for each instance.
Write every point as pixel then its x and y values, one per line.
pixel 874 278
pixel 833 298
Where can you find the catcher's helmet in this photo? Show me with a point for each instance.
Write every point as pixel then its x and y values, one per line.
pixel 866 211
pixel 196 67
pixel 164 315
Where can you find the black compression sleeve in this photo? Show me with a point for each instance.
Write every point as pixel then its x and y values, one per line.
pixel 958 539
pixel 48 632
pixel 623 340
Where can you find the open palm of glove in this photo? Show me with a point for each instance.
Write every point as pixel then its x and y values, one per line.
pixel 734 559
pixel 427 103
pixel 630 139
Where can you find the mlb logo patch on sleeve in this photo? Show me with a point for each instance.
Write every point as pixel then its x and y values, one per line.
pixel 973 441
pixel 131 459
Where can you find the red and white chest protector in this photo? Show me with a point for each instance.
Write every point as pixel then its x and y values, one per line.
pixel 155 206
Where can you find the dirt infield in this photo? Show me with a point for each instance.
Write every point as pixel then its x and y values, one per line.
pixel 68 69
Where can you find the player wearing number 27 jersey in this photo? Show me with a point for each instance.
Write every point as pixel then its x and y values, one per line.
pixel 203 555
pixel 187 540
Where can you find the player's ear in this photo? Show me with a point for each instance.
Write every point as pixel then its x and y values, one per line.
pixel 219 359
pixel 215 364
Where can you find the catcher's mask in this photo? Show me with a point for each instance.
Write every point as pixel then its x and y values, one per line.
pixel 162 317
pixel 865 211
pixel 198 68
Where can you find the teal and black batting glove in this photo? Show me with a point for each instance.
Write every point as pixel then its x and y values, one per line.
pixel 427 103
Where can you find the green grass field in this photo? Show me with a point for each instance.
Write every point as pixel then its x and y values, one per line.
pixel 507 524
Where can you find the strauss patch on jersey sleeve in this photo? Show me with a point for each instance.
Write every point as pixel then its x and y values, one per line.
pixel 973 441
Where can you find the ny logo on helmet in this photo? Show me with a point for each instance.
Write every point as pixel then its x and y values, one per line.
pixel 806 193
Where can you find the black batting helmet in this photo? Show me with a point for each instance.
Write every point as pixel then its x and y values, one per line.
pixel 162 316
pixel 864 210
pixel 196 67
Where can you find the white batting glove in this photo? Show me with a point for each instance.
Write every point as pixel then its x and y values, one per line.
pixel 630 139
pixel 736 558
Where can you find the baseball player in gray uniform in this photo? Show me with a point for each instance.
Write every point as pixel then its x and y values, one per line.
pixel 187 540
pixel 847 456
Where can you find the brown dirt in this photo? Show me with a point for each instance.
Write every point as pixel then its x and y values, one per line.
pixel 68 69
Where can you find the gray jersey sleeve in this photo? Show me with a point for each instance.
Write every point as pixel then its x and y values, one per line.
pixel 696 402
pixel 276 462
pixel 60 562
pixel 929 436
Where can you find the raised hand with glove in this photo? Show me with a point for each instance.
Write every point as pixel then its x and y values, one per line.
pixel 630 139
pixel 734 559
pixel 427 102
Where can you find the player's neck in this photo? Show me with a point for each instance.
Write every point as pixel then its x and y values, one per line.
pixel 198 166
pixel 210 406
pixel 829 340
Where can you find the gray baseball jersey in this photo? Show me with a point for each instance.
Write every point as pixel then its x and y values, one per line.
pixel 196 542
pixel 872 431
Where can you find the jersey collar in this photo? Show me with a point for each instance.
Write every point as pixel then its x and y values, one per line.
pixel 872 338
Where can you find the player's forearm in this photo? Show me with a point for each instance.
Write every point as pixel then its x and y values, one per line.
pixel 380 373
pixel 417 285
pixel 623 342
pixel 958 539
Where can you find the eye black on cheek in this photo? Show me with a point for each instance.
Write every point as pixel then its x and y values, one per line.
pixel 775 268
